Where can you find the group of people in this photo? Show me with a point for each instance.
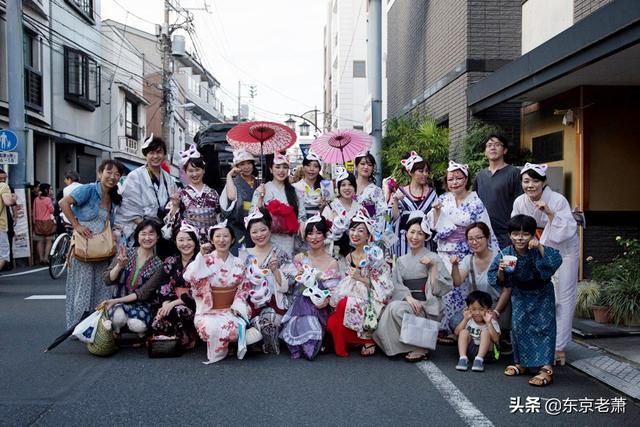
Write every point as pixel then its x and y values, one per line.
pixel 266 264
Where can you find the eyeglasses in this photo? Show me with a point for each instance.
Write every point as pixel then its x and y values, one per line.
pixel 476 239
pixel 494 144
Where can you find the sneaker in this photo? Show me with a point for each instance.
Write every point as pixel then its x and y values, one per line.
pixel 478 365
pixel 463 364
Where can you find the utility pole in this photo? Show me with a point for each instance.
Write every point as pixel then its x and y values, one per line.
pixel 239 99
pixel 374 71
pixel 15 55
pixel 166 79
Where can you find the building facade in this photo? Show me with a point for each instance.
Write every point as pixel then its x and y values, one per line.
pixel 436 49
pixel 578 88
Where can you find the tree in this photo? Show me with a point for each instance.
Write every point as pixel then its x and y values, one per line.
pixel 422 135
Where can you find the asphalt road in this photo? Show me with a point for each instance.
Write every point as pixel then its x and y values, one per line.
pixel 68 386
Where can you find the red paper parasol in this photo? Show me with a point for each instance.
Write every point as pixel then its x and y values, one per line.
pixel 261 138
pixel 341 145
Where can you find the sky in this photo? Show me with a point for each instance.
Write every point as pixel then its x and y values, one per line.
pixel 276 45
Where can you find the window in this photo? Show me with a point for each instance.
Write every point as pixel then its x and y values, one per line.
pixel 81 79
pixel 131 113
pixel 336 102
pixel 32 74
pixel 359 69
pixel 83 7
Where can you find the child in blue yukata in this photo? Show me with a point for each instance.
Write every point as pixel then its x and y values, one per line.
pixel 477 333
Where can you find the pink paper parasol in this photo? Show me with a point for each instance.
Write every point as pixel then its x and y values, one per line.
pixel 341 145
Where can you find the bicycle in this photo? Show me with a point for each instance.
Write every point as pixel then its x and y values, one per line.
pixel 59 254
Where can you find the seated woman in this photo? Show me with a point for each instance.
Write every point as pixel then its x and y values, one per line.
pixel 529 285
pixel 129 271
pixel 168 288
pixel 472 271
pixel 220 289
pixel 420 281
pixel 362 294
pixel 304 323
pixel 271 273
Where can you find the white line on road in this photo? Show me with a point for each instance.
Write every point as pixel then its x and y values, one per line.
pixel 47 297
pixel 452 394
pixel 35 270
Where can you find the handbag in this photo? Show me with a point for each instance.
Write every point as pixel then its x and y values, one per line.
pixel 370 321
pixel 86 330
pixel 162 346
pixel 100 247
pixel 104 343
pixel 45 227
pixel 419 331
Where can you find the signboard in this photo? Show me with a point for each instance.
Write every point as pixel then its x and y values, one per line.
pixel 21 246
pixel 350 165
pixel 305 149
pixel 9 157
pixel 8 140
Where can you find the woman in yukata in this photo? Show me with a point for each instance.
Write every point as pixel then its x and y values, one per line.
pixel 368 194
pixel 341 210
pixel 362 294
pixel 167 287
pixel 529 286
pixel 271 273
pixel 420 281
pixel 284 204
pixel 235 200
pixel 304 323
pixel 129 271
pixel 556 228
pixel 197 203
pixel 449 217
pixel 220 289
pixel 417 196
pixel 309 185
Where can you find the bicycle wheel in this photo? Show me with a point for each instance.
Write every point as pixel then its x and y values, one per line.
pixel 58 257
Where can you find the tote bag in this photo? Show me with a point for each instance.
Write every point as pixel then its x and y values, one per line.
pixel 419 331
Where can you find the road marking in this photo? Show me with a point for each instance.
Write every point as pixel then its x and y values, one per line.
pixel 463 406
pixel 35 270
pixel 47 297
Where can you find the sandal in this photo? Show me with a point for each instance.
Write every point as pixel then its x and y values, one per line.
pixel 415 356
pixel 514 370
pixel 445 339
pixel 368 350
pixel 544 377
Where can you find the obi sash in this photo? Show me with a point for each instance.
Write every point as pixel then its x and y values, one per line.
pixel 416 286
pixel 223 297
pixel 459 234
pixel 201 217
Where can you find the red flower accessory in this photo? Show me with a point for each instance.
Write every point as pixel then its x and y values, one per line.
pixel 284 218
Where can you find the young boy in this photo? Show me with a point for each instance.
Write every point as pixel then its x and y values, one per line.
pixel 477 333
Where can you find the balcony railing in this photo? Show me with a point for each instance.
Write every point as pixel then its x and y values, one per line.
pixel 32 89
pixel 130 146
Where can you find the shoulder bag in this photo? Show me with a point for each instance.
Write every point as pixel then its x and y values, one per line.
pixel 100 247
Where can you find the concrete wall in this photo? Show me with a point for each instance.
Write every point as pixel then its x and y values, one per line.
pixel 543 19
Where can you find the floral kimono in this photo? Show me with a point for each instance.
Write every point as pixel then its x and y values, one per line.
pixel 129 280
pixel 340 219
pixel 220 290
pixel 200 209
pixel 269 300
pixel 372 199
pixel 235 211
pixel 311 197
pixel 168 284
pixel 304 324
pixel 352 298
pixel 451 239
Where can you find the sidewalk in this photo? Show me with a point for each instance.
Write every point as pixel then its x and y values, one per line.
pixel 609 353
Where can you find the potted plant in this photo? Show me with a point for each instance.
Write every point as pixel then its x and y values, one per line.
pixel 600 308
pixel 623 298
pixel 588 294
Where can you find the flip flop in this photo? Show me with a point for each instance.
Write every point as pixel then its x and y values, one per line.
pixel 417 357
pixel 366 348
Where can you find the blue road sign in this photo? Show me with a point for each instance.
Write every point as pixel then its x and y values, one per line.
pixel 8 140
pixel 305 149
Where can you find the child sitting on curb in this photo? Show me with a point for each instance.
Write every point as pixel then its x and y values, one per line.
pixel 477 333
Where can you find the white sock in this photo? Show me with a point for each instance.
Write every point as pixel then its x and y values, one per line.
pixel 480 358
pixel 464 357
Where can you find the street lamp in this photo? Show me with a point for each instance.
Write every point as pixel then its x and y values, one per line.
pixel 304 129
pixel 291 123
